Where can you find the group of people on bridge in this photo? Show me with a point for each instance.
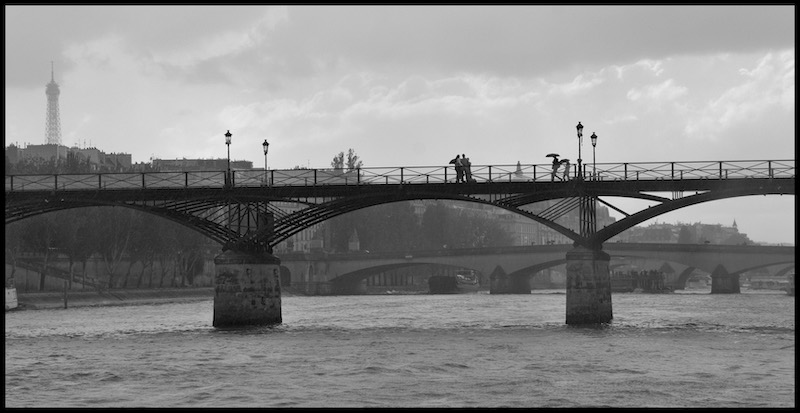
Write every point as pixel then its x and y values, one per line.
pixel 556 164
pixel 463 168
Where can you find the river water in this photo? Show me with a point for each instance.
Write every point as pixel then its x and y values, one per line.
pixel 687 349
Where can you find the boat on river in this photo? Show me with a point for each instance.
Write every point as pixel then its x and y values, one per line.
pixel 467 281
pixel 463 281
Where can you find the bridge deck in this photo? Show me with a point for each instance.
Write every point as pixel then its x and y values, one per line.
pixel 404 175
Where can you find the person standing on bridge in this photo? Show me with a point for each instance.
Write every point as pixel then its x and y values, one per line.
pixel 556 165
pixel 459 168
pixel 566 169
pixel 467 165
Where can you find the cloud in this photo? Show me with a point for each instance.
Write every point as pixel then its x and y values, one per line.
pixel 408 85
pixel 761 90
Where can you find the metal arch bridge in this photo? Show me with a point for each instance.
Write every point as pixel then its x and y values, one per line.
pixel 254 210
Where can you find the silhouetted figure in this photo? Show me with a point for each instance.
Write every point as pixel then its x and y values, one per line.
pixel 459 168
pixel 566 169
pixel 467 165
pixel 556 165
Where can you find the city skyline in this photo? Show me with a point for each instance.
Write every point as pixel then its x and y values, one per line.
pixel 415 85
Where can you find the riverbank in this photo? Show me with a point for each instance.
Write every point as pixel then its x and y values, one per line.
pixel 117 297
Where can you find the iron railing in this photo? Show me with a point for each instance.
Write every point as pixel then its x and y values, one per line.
pixel 628 171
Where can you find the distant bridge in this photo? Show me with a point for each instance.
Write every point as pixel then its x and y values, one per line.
pixel 347 270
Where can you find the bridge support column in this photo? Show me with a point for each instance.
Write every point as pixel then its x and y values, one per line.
pixel 588 287
pixel 724 283
pixel 247 289
pixel 502 283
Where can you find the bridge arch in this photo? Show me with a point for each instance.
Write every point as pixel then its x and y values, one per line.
pixel 217 233
pixel 611 230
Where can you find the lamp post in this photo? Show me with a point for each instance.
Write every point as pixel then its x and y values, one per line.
pixel 594 144
pixel 228 143
pixel 266 149
pixel 580 137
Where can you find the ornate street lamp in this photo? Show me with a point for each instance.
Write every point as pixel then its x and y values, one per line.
pixel 580 140
pixel 228 143
pixel 594 144
pixel 266 149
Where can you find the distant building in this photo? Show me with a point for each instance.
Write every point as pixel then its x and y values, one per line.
pixel 54 151
pixel 97 159
pixel 196 165
pixel 697 233
pixel 46 152
pixel 522 230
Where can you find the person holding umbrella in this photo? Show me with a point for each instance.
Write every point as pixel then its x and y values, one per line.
pixel 565 161
pixel 556 165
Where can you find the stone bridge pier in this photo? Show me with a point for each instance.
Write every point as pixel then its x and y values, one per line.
pixel 588 287
pixel 723 282
pixel 247 289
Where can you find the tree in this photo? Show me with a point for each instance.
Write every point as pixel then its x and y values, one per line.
pixel 41 235
pixel 434 222
pixel 75 225
pixel 737 239
pixel 352 163
pixel 112 238
pixel 685 236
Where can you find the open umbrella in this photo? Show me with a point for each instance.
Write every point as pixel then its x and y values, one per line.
pixel 564 160
pixel 552 155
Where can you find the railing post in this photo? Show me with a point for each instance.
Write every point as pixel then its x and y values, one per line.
pixel 626 170
pixel 56 182
pixel 271 177
pixel 186 179
pixel 358 176
pixel 769 166
pixel 143 185
pixel 672 167
pixel 315 177
pixel 534 173
pixel 401 174
pixel 490 173
pixel 720 170
pixel 445 174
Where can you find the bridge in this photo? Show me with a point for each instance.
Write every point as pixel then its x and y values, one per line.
pixel 245 211
pixel 345 273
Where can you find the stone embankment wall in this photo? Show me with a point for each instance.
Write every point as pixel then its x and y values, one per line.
pixel 52 300
pixel 27 280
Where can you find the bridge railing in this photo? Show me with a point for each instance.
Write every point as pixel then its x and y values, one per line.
pixel 693 170
pixel 401 175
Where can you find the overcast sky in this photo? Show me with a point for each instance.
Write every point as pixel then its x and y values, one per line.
pixel 415 85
